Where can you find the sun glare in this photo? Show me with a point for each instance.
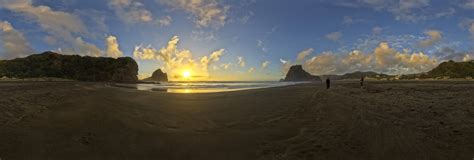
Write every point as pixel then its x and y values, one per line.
pixel 187 74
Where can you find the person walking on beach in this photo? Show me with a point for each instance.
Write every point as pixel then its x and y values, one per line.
pixel 361 82
pixel 328 83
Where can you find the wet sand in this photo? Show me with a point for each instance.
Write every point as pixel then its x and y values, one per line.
pixel 385 120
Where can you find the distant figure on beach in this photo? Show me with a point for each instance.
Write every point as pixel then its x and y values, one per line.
pixel 328 83
pixel 361 82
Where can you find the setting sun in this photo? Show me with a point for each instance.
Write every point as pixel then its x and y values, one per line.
pixel 187 74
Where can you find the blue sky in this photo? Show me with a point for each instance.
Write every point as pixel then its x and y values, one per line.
pixel 207 37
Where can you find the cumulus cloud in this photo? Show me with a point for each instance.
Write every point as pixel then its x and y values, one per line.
pixel 251 70
pixel 206 13
pixel 303 54
pixel 13 42
pixel 56 23
pixel 434 36
pixel 176 60
pixel 446 53
pixel 383 59
pixel 214 57
pixel 241 61
pixel 226 65
pixel 334 36
pixel 84 48
pixel 61 26
pixel 265 64
pixel 131 11
pixel 113 47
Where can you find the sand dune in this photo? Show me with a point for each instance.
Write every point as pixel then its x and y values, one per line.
pixel 385 120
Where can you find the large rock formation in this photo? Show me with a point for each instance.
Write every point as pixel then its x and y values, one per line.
pixel 296 73
pixel 158 75
pixel 50 64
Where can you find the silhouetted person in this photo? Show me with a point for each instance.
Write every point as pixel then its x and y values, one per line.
pixel 328 83
pixel 361 82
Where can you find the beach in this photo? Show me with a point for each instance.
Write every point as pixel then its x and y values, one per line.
pixel 384 120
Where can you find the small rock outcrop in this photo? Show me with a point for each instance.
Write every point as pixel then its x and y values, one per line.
pixel 158 75
pixel 74 67
pixel 297 73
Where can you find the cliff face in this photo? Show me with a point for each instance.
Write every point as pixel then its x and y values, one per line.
pixel 50 64
pixel 297 73
pixel 158 75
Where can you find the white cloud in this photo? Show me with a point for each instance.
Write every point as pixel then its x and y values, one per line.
pixel 131 11
pixel 200 35
pixel 468 24
pixel 261 46
pixel 84 48
pixel 334 36
pixel 434 36
pixel 226 65
pixel 377 30
pixel 165 21
pixel 241 61
pixel 59 24
pixel 176 60
pixel 286 64
pixel 402 10
pixel 468 4
pixel 206 13
pixel 251 70
pixel 351 20
pixel 13 42
pixel 113 47
pixel 303 54
pixel 467 57
pixel 265 64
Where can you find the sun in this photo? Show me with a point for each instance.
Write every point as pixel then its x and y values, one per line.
pixel 187 74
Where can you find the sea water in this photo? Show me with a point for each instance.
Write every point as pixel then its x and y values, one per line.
pixel 210 87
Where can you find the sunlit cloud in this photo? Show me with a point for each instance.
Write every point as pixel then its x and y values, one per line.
pixel 251 70
pixel 13 42
pixel 165 21
pixel 113 47
pixel 177 61
pixel 303 54
pixel 131 11
pixel 265 64
pixel 383 59
pixel 241 61
pixel 60 24
pixel 206 13
pixel 434 36
pixel 226 65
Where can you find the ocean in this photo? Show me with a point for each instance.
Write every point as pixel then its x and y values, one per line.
pixel 211 86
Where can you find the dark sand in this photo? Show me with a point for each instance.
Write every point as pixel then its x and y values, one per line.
pixel 386 120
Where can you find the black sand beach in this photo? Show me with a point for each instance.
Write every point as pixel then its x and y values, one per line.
pixel 386 120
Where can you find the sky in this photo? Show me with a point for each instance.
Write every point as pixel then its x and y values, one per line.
pixel 245 39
